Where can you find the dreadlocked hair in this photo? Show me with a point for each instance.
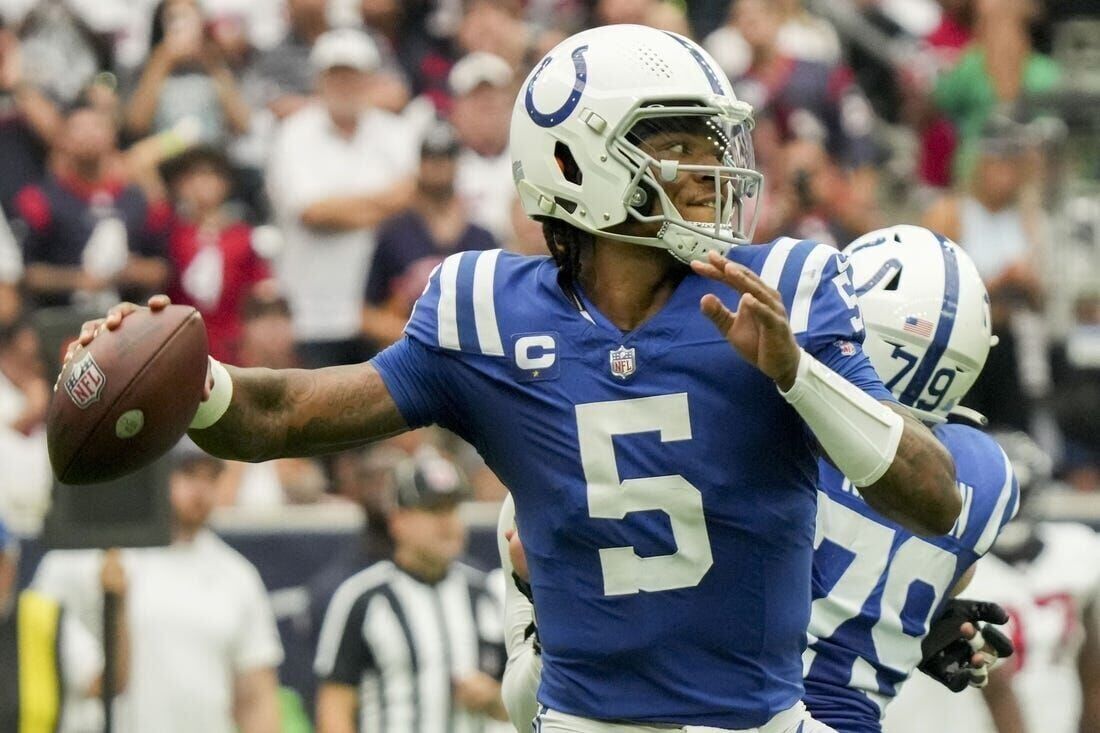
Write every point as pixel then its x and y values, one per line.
pixel 565 243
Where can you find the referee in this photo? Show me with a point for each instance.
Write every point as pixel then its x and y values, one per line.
pixel 414 645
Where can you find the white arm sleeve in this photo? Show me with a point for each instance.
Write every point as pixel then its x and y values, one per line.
pixel 524 668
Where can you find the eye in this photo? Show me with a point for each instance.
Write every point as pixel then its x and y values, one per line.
pixel 678 148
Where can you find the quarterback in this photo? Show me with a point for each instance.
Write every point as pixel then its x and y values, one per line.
pixel 663 464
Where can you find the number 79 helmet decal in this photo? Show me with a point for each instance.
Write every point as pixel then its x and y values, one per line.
pixel 926 311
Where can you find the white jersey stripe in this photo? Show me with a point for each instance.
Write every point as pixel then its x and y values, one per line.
pixel 807 286
pixel 777 258
pixel 448 303
pixel 993 524
pixel 382 629
pixel 485 313
pixel 434 684
pixel 336 617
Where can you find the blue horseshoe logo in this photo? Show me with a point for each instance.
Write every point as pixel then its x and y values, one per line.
pixel 552 119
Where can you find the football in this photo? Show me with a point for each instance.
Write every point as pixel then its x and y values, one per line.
pixel 125 399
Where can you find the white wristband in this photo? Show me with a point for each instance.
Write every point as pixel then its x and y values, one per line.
pixel 859 433
pixel 221 394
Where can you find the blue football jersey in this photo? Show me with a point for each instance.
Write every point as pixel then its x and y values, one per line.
pixel 876 586
pixel 664 489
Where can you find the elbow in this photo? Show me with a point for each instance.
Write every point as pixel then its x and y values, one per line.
pixel 945 501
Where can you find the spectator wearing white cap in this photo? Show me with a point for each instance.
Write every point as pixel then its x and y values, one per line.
pixel 483 89
pixel 338 167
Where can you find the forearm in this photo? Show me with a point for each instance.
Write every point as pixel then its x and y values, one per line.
pixel 1004 708
pixel 149 273
pixel 122 647
pixel 336 708
pixel 298 412
pixel 233 105
pixel 143 103
pixel 918 489
pixel 40 113
pixel 43 278
pixel 256 706
pixel 344 213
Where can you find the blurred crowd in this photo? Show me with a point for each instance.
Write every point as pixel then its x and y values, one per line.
pixel 296 168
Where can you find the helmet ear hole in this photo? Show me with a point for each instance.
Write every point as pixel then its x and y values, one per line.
pixel 567 163
pixel 894 281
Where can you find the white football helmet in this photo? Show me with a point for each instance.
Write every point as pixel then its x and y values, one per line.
pixel 926 311
pixel 587 127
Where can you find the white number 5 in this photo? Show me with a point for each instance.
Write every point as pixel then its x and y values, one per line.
pixel 624 571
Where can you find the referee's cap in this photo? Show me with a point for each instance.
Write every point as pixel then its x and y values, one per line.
pixel 429 481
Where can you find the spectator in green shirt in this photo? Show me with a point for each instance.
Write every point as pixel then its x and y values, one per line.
pixel 992 74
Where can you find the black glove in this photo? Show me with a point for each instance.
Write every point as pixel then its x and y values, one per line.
pixel 947 652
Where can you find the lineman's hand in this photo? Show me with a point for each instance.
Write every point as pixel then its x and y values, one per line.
pixel 963 645
pixel 759 330
pixel 478 693
pixel 517 555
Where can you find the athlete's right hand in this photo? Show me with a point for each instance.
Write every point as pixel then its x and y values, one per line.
pixel 112 321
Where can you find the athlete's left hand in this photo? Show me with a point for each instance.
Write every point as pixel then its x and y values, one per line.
pixel 759 330
pixel 962 646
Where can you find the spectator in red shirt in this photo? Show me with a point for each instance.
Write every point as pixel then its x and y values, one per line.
pixel 214 264
pixel 92 235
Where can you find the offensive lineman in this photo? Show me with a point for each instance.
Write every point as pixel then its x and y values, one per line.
pixel 664 479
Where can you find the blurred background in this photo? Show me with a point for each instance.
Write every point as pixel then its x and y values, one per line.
pixel 295 168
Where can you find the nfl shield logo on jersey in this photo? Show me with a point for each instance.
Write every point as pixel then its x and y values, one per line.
pixel 622 362
pixel 85 384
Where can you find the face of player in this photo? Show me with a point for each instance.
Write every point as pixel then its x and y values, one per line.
pixel 89 135
pixel 193 494
pixel 428 540
pixel 343 91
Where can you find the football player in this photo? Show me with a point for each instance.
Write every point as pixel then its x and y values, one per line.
pixel 877 586
pixel 1047 576
pixel 663 470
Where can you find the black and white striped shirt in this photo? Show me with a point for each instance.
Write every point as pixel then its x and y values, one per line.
pixel 402 642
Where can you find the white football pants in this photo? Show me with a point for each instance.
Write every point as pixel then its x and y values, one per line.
pixel 793 720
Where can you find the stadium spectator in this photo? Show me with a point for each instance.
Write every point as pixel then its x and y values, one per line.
pixel 11 273
pixel 418 637
pixel 995 71
pixel 29 122
pixel 801 35
pixel 24 398
pixel 483 90
pixel 496 27
pixel 204 648
pixel 1077 399
pixel 414 242
pixel 338 168
pixel 215 265
pixel 282 75
pixel 267 340
pixel 997 220
pixel 813 198
pixel 186 77
pixel 803 99
pixel 92 236
pixel 58 663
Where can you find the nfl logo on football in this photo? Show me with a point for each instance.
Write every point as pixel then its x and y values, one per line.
pixel 622 362
pixel 85 384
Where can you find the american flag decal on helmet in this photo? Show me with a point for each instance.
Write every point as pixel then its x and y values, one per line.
pixel 919 326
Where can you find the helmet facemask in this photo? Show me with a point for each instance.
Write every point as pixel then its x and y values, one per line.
pixel 661 142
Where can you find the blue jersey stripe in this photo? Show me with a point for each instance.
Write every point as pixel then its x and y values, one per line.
pixel 467 320
pixel 927 367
